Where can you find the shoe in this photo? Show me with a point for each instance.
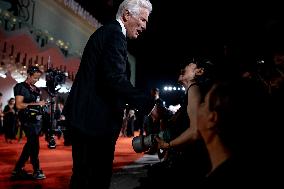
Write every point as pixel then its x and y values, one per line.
pixel 21 174
pixel 39 175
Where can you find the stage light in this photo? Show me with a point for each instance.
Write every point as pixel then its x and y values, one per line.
pixel 173 88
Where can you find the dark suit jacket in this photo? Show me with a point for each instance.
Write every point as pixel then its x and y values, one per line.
pixel 101 87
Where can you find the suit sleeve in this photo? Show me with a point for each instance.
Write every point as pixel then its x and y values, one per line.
pixel 114 62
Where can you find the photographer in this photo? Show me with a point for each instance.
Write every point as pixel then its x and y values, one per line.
pixel 185 149
pixel 27 97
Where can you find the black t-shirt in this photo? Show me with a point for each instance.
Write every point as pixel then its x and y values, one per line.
pixel 23 89
pixel 29 93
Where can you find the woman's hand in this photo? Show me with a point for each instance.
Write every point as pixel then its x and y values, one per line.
pixel 162 144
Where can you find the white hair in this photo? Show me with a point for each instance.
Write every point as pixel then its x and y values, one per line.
pixel 133 6
pixel 131 113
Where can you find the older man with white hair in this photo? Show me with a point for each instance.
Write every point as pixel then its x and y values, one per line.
pixel 99 93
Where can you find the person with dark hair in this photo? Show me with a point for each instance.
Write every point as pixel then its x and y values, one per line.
pixel 234 123
pixel 94 107
pixel 197 77
pixel 155 94
pixel 9 123
pixel 28 104
pixel 185 151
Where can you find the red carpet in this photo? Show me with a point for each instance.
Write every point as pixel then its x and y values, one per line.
pixel 56 163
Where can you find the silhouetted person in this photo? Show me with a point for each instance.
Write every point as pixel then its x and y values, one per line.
pixel 233 121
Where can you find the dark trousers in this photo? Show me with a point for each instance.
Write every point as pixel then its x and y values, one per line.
pixel 92 160
pixel 31 148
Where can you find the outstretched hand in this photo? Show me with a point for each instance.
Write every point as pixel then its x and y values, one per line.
pixel 161 143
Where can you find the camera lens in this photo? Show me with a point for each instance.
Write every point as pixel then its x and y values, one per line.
pixel 143 143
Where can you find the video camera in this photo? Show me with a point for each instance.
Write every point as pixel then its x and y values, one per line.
pixel 53 79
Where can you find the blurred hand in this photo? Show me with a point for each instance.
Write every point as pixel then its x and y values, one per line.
pixel 42 103
pixel 161 143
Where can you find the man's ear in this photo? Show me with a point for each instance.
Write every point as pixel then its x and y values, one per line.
pixel 126 15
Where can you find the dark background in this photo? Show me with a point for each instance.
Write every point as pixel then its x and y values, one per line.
pixel 239 32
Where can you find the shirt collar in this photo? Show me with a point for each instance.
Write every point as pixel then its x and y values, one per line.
pixel 122 26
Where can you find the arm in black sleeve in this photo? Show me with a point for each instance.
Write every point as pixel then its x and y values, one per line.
pixel 114 68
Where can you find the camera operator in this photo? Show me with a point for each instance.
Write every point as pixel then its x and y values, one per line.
pixel 29 107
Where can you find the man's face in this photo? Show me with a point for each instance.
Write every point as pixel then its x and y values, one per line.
pixel 136 24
